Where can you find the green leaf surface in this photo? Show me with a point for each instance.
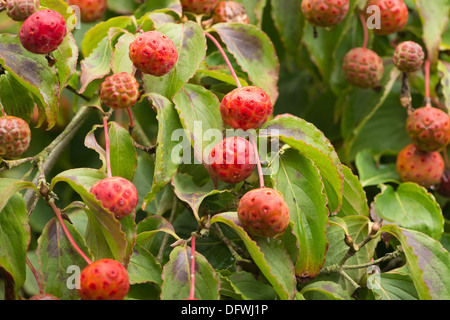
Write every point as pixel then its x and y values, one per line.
pixel 166 161
pixel 15 236
pixel 254 52
pixel 15 98
pixel 411 207
pixel 56 255
pixel 300 183
pixel 8 187
pixel 310 141
pixel 177 277
pixel 143 267
pixel 372 173
pixel 268 254
pixel 354 197
pixel 33 73
pixel 329 289
pixel 427 260
pixel 190 42
pixel 123 155
pixel 250 288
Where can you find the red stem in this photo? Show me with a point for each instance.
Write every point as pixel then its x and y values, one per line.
pixel 108 162
pixel 258 161
pixel 36 276
pixel 366 31
pixel 192 291
pixel 227 61
pixel 427 83
pixel 66 231
pixel 131 118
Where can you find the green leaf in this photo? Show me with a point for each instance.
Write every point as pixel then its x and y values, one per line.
pixel 150 226
pixel 428 262
pixel 66 60
pixel 143 267
pixel 9 187
pixel 434 17
pixel 33 73
pixel 177 277
pixel 372 173
pixel 329 289
pixel 249 288
pixel 96 65
pixel 190 42
pixel 56 255
pixel 120 60
pixel 300 183
pixel 166 162
pixel 14 239
pixel 97 33
pixel 268 254
pixel 123 155
pixel 358 228
pixel 149 6
pixel 105 236
pixel 410 206
pixel 254 52
pixel 354 200
pixel 199 111
pixel 310 141
pixel 393 285
pixel 15 98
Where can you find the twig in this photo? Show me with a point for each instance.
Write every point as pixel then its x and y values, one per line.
pixel 36 276
pixel 108 161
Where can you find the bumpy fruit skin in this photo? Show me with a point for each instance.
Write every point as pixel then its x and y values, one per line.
pixel 104 279
pixel 20 10
pixel 429 128
pixel 393 15
pixel 324 13
pixel 119 91
pixel 43 31
pixel 246 108
pixel 230 11
pixel 199 6
pixel 90 10
pixel 232 160
pixel 15 136
pixel 408 56
pixel 421 167
pixel 263 212
pixel 153 53
pixel 116 194
pixel 363 68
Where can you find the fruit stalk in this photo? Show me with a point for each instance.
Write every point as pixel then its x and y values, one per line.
pixel 36 276
pixel 427 83
pixel 66 231
pixel 227 61
pixel 365 30
pixel 258 161
pixel 108 161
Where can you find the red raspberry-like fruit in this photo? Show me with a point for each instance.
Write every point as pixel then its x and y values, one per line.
pixel 104 279
pixel 421 167
pixel 363 68
pixel 324 13
pixel 153 53
pixel 120 91
pixel 408 56
pixel 246 108
pixel 393 15
pixel 429 128
pixel 90 10
pixel 444 185
pixel 263 212
pixel 20 10
pixel 230 11
pixel 43 296
pixel 15 136
pixel 116 194
pixel 43 31
pixel 199 6
pixel 232 160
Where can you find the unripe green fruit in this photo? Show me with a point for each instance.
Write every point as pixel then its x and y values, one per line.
pixel 15 136
pixel 408 56
pixel 363 68
pixel 325 13
pixel 119 91
pixel 20 10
